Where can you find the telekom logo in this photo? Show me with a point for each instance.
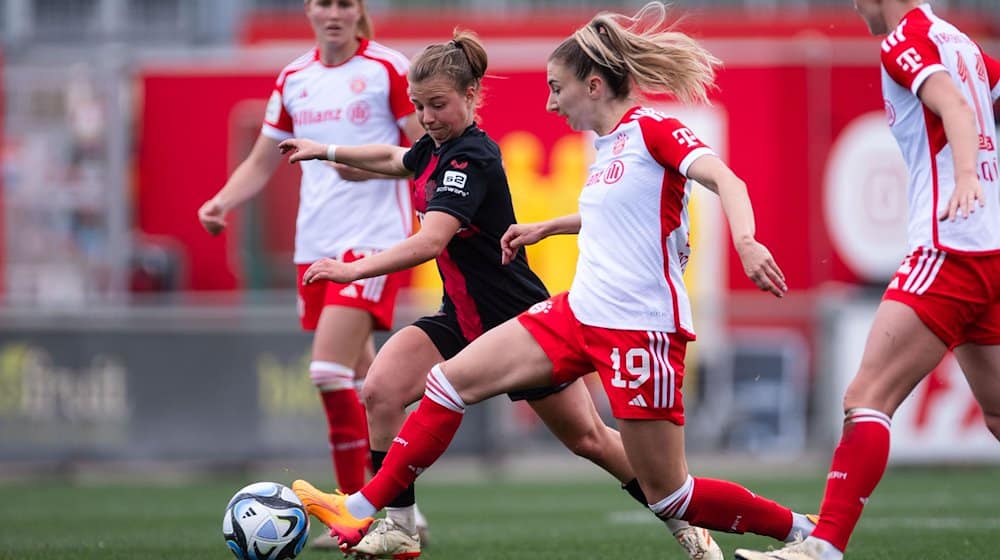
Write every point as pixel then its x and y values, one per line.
pixel 685 137
pixel 910 60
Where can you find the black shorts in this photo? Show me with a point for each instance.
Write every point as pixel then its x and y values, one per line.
pixel 446 334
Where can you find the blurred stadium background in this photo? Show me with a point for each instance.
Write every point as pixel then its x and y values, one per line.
pixel 129 337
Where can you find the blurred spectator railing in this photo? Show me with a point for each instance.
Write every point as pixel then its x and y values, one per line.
pixel 27 22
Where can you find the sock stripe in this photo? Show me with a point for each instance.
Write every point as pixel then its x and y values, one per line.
pixel 439 390
pixel 332 375
pixel 859 415
pixel 676 504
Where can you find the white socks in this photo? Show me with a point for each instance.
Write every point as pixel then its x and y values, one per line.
pixel 359 506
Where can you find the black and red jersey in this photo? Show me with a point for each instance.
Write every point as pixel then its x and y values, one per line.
pixel 465 177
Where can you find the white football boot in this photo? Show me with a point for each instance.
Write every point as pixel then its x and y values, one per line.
pixel 809 549
pixel 698 543
pixel 385 539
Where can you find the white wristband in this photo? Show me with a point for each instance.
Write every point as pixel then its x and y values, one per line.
pixel 331 152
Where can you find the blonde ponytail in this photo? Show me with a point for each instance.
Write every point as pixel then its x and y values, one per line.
pixel 643 51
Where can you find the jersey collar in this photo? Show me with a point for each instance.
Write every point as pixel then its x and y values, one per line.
pixel 625 118
pixel 362 45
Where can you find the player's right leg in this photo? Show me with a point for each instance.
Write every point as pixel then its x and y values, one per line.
pixel 503 359
pixel 338 344
pixel 899 352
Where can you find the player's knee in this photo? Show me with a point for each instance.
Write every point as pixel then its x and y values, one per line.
pixel 589 444
pixel 380 397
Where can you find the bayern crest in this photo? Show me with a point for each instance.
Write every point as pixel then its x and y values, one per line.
pixel 620 142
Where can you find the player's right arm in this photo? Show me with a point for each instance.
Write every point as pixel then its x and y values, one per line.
pixel 246 181
pixel 378 158
pixel 519 235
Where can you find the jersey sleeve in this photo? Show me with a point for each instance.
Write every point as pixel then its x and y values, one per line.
pixel 277 121
pixel 399 97
pixel 461 187
pixel 411 159
pixel 909 56
pixel 993 74
pixel 672 144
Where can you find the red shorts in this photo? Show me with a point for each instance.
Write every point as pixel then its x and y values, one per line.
pixel 642 371
pixel 374 295
pixel 956 296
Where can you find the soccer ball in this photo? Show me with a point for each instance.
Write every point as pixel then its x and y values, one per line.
pixel 265 521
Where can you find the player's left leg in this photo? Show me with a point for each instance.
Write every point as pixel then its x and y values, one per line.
pixel 571 416
pixel 899 352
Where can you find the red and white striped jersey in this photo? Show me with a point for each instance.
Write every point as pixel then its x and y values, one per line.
pixel 920 46
pixel 361 101
pixel 634 234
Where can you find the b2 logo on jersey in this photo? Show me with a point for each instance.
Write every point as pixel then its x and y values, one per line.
pixel 454 179
pixel 685 137
pixel 910 61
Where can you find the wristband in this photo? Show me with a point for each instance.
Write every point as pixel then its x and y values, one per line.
pixel 331 152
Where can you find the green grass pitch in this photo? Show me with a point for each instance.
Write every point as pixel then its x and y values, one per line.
pixel 915 514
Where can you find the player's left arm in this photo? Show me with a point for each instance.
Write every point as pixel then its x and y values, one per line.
pixel 436 231
pixel 940 94
pixel 758 263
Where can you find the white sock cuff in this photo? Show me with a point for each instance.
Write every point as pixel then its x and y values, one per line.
pixel 675 505
pixel 858 415
pixel 331 376
pixel 439 390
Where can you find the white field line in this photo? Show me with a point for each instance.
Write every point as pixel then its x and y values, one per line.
pixel 869 522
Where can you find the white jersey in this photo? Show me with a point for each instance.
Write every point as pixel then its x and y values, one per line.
pixel 361 101
pixel 920 46
pixel 634 227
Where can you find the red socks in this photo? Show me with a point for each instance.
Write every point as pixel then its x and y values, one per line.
pixel 423 438
pixel 348 433
pixel 727 506
pixel 857 467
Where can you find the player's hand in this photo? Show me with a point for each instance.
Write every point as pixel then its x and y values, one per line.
pixel 759 266
pixel 300 149
pixel 212 216
pixel 349 173
pixel 517 236
pixel 329 269
pixel 963 201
